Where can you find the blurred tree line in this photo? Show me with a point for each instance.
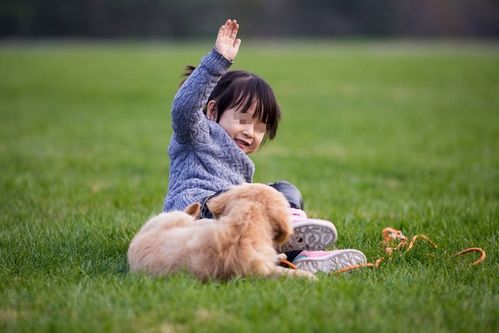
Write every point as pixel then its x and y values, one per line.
pixel 259 18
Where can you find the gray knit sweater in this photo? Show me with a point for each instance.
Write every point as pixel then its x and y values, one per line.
pixel 203 158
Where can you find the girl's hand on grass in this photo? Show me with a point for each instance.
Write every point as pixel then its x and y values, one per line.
pixel 226 43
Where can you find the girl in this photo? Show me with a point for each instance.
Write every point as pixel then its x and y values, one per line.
pixel 220 117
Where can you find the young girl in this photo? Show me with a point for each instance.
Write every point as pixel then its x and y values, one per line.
pixel 220 117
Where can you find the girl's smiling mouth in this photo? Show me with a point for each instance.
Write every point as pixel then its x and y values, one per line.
pixel 242 144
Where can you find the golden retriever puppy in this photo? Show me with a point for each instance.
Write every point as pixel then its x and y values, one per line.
pixel 251 220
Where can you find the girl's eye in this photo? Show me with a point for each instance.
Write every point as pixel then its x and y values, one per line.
pixel 260 127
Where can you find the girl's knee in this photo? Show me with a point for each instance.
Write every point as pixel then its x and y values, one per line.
pixel 290 192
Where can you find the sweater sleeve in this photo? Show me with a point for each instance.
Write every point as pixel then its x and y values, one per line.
pixel 189 123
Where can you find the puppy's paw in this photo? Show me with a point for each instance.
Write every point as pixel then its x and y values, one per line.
pixel 305 274
pixel 282 256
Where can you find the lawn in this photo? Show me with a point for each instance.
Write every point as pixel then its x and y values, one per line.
pixel 374 134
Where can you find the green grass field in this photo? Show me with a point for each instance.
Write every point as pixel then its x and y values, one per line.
pixel 374 134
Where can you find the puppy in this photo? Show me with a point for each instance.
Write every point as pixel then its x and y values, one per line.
pixel 251 220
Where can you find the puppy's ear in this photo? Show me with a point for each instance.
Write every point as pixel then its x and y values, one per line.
pixel 217 204
pixel 281 224
pixel 282 230
pixel 194 209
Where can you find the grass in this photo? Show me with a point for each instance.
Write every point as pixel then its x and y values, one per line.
pixel 374 134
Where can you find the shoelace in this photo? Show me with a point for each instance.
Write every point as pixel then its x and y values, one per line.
pixel 391 236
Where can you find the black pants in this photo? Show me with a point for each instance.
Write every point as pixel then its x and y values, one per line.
pixel 290 192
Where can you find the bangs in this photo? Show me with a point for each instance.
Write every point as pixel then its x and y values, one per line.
pixel 247 96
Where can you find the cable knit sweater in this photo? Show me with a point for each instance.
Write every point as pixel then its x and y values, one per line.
pixel 203 158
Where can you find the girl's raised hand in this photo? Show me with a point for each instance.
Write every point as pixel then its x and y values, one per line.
pixel 226 43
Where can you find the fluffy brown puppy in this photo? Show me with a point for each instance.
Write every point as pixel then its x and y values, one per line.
pixel 250 221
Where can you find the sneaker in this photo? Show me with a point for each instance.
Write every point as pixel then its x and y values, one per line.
pixel 328 261
pixel 309 234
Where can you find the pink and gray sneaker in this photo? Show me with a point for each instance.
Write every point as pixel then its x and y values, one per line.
pixel 328 261
pixel 309 234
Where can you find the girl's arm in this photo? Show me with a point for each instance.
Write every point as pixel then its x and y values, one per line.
pixel 188 121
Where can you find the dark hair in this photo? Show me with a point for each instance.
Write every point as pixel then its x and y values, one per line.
pixel 240 89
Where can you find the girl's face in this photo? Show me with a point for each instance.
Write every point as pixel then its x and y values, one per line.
pixel 246 132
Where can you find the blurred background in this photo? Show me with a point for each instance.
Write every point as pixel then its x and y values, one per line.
pixel 179 19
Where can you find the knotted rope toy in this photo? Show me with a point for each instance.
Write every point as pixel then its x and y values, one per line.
pixel 394 240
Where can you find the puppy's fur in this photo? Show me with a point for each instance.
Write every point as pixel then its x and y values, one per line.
pixel 250 221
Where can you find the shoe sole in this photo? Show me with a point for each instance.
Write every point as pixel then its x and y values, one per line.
pixel 307 235
pixel 339 260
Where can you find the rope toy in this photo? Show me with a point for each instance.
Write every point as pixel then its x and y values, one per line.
pixel 391 235
pixel 287 264
pixel 483 255
pixel 395 240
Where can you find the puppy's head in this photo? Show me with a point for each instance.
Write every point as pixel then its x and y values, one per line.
pixel 264 199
